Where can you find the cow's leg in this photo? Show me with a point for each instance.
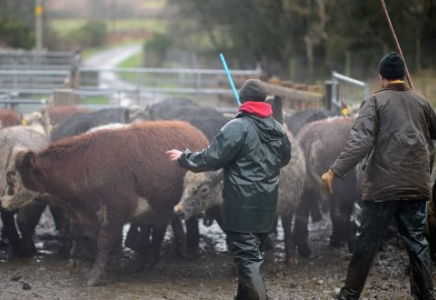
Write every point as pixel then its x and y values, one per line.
pixel 58 216
pixel 340 214
pixel 216 213
pixel 133 238
pixel 301 231
pixel 27 219
pixel 290 254
pixel 336 236
pixel 9 230
pixel 344 225
pixel 179 236
pixel 108 235
pixel 158 234
pixel 192 233
pixel 62 220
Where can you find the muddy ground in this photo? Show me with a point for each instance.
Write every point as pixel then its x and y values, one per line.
pixel 207 274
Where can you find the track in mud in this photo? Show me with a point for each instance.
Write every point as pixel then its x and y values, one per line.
pixel 206 274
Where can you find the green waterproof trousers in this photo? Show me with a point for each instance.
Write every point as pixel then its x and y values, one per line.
pixel 248 260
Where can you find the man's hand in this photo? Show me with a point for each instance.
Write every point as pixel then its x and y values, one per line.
pixel 174 154
pixel 327 182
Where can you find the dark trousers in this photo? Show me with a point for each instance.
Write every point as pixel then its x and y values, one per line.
pixel 248 260
pixel 411 219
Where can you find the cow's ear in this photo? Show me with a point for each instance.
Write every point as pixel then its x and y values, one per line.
pixel 29 159
pixel 11 177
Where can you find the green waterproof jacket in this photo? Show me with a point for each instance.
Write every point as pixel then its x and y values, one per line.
pixel 251 150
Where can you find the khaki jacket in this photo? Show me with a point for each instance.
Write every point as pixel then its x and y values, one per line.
pixel 393 132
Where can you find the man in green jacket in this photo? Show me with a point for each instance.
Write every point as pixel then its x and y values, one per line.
pixel 393 131
pixel 251 149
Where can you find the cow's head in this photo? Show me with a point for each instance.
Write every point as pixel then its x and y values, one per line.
pixel 201 191
pixel 16 194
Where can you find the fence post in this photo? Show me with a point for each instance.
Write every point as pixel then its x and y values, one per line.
pixel 336 106
pixel 197 84
pixel 328 94
pixel 138 89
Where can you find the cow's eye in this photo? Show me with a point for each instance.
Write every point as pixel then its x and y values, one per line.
pixel 204 191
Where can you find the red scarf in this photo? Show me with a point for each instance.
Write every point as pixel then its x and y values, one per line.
pixel 260 109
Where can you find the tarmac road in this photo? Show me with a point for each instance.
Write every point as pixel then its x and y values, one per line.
pixel 111 58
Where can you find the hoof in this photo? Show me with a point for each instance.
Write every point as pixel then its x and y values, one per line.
pixel 335 244
pixel 304 251
pixel 74 265
pixel 94 279
pixel 27 250
pixel 292 260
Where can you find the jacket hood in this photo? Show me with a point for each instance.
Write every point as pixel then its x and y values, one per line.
pixel 267 128
pixel 260 109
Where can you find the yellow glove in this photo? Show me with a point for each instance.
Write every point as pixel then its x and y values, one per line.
pixel 327 182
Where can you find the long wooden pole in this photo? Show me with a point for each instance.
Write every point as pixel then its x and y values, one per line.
pixel 397 44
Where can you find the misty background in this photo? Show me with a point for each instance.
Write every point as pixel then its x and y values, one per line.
pixel 300 40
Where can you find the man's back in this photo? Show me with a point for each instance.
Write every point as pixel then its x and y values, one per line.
pixel 398 164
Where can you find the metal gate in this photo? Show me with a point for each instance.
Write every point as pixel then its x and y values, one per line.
pixel 347 92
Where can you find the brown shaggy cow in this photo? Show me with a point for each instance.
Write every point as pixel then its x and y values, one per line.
pixel 10 118
pixel 109 178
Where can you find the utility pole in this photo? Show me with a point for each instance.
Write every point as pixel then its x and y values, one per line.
pixel 39 10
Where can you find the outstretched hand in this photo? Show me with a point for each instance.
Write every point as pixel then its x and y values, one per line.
pixel 174 154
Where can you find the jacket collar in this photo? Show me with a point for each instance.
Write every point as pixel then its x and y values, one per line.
pixel 395 86
pixel 260 109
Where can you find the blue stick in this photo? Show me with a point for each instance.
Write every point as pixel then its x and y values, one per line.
pixel 229 77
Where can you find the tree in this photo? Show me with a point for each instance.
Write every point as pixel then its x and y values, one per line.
pixel 313 36
pixel 17 23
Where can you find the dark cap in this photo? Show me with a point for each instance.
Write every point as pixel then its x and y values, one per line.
pixel 253 90
pixel 392 66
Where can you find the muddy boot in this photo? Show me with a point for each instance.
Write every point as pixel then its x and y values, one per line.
pixel 412 224
pixel 348 294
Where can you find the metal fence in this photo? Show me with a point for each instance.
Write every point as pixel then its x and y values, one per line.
pixel 347 91
pixel 135 85
pixel 40 60
pixel 161 80
pixel 32 81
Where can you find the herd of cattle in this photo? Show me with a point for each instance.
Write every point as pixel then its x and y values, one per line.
pixel 99 170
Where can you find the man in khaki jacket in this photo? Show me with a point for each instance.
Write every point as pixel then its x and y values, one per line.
pixel 393 131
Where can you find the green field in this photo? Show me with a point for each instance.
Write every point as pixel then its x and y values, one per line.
pixel 63 27
pixel 134 61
